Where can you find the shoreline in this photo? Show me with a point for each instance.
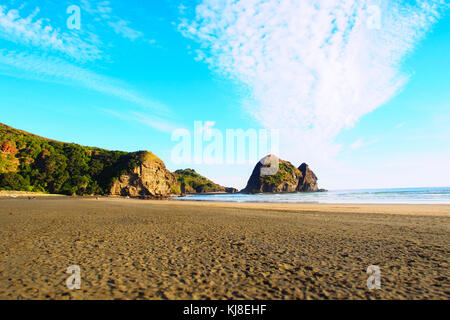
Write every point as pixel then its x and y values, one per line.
pixel 21 194
pixel 192 197
pixel 438 210
pixel 318 203
pixel 413 209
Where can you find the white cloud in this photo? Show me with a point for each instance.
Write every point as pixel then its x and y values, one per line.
pixel 62 56
pixel 102 10
pixel 399 125
pixel 30 31
pixel 182 9
pixel 312 68
pixel 99 8
pixel 56 70
pixel 121 28
pixel 155 122
pixel 361 143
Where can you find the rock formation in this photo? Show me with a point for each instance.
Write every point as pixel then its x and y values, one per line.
pixel 151 180
pixel 231 190
pixel 273 175
pixel 308 180
pixel 148 179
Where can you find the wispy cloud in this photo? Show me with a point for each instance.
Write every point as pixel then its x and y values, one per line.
pixel 311 68
pixel 400 125
pixel 361 143
pixel 102 11
pixel 157 123
pixel 182 9
pixel 39 33
pixel 53 69
pixel 121 28
pixel 46 53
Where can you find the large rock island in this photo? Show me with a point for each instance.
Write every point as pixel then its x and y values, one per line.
pixel 274 175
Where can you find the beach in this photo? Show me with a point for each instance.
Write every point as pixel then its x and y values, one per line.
pixel 168 249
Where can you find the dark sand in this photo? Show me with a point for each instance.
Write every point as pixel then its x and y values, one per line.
pixel 134 249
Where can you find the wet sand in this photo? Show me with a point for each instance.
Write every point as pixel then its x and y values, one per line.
pixel 136 249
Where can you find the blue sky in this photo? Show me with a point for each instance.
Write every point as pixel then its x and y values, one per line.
pixel 360 90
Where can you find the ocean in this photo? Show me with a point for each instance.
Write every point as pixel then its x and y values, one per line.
pixel 438 195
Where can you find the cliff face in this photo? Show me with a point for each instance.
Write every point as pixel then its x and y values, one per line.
pixel 148 179
pixel 267 177
pixel 308 180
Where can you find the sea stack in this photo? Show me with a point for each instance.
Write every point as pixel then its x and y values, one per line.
pixel 308 180
pixel 274 175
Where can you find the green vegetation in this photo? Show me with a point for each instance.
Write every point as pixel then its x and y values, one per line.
pixel 149 156
pixel 32 163
pixel 286 173
pixel 192 182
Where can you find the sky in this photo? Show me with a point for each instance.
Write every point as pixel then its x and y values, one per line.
pixel 360 90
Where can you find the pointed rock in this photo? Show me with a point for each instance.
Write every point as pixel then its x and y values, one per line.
pixel 273 175
pixel 308 180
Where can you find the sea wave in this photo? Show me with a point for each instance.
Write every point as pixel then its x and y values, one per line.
pixel 438 195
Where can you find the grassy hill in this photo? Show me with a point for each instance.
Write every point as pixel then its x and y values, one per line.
pixel 192 182
pixel 32 163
